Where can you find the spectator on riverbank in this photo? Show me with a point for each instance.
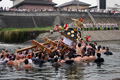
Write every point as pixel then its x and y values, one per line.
pixel 100 26
pixel 1 8
pixel 21 9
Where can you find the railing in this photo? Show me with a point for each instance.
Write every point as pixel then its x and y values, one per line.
pixel 91 17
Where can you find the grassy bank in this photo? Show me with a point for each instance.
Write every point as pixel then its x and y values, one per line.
pixel 27 29
pixel 19 35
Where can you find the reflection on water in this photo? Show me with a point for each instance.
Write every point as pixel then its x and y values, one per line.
pixel 109 70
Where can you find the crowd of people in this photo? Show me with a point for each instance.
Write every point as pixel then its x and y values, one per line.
pixel 101 26
pixel 98 26
pixel 59 9
pixel 25 10
pixel 80 53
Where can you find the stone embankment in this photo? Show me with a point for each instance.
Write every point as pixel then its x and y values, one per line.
pixel 113 35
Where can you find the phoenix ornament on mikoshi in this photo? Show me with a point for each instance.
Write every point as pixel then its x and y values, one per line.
pixel 78 22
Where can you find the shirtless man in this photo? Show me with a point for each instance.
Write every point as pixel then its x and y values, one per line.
pixel 69 60
pixel 103 49
pixel 78 59
pixel 16 62
pixel 4 59
pixel 92 57
pixel 86 58
pixel 79 48
pixel 3 52
pixel 27 66
pixel 10 62
pixel 22 58
pixel 89 46
pixel 99 50
pixel 56 64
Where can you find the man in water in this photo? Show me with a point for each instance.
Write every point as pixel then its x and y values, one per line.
pixel 103 49
pixel 86 58
pixel 79 48
pixel 30 60
pixel 27 66
pixel 4 59
pixel 3 52
pixel 56 64
pixel 99 59
pixel 108 52
pixel 78 59
pixel 16 62
pixel 70 60
pixel 10 62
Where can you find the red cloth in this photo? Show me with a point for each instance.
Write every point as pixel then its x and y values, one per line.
pixel 82 19
pixel 114 11
pixel 56 28
pixel 65 26
pixel 87 39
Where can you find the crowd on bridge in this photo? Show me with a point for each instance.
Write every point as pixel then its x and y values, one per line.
pixel 25 10
pixel 59 9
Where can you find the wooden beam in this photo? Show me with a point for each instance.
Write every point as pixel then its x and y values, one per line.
pixel 38 51
pixel 25 49
pixel 41 46
pixel 37 44
pixel 51 42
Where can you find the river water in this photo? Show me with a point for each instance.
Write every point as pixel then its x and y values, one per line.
pixel 109 70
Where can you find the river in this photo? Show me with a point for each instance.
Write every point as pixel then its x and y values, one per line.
pixel 109 70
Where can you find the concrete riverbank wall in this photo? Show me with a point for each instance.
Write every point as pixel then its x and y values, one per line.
pixel 112 35
pixel 43 19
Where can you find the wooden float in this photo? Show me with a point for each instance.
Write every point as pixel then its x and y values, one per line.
pixel 44 46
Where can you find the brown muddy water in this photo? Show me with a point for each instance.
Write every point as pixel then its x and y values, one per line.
pixel 109 70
